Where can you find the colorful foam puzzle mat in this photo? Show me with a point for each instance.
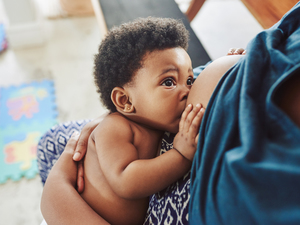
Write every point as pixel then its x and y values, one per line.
pixel 3 40
pixel 26 113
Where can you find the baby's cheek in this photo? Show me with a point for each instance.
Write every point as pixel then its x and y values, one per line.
pixel 175 128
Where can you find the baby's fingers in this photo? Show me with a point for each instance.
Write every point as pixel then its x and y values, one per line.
pixel 231 51
pixel 190 118
pixel 236 51
pixel 184 116
pixel 194 128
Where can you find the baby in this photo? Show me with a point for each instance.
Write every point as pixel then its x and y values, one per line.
pixel 144 76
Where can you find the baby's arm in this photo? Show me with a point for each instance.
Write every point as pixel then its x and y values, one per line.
pixel 133 178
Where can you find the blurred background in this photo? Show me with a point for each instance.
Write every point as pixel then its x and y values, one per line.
pixel 56 40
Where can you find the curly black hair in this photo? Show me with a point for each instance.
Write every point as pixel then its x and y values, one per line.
pixel 121 52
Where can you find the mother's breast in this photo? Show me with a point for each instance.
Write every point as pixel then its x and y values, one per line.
pixel 208 79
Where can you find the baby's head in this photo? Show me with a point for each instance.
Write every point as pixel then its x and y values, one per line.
pixel 122 52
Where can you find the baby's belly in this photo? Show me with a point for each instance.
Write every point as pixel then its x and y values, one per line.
pixel 101 198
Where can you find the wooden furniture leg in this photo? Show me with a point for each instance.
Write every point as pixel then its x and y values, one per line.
pixel 193 9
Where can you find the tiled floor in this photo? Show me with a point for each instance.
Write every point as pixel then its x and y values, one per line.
pixel 67 58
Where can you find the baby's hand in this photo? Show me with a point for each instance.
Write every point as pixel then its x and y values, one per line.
pixel 236 51
pixel 185 141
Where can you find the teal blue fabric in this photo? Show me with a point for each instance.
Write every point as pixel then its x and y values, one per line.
pixel 247 166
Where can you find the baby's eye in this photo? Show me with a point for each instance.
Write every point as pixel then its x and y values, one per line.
pixel 190 81
pixel 168 82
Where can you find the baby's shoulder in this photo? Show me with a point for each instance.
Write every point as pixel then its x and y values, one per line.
pixel 114 122
pixel 118 119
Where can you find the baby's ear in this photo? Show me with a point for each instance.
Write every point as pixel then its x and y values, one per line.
pixel 121 100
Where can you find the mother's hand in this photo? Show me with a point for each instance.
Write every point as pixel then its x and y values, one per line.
pixel 81 148
pixel 65 168
pixel 61 203
pixel 84 137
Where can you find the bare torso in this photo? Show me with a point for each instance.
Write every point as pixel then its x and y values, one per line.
pixel 288 95
pixel 208 79
pixel 98 192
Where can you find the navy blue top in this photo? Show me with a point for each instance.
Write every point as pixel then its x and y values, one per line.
pixel 247 166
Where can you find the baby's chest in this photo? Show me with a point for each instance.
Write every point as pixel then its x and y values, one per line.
pixel 146 145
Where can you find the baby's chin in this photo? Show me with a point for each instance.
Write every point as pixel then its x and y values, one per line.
pixel 174 129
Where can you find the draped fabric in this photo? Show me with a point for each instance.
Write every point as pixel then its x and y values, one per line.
pixel 247 166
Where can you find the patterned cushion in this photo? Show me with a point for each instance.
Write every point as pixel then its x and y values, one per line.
pixel 169 206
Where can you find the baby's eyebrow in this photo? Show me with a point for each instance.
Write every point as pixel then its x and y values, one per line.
pixel 168 70
pixel 173 69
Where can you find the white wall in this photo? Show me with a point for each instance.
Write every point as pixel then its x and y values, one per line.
pixel 23 25
pixel 19 11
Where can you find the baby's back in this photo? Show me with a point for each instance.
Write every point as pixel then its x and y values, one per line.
pixel 99 194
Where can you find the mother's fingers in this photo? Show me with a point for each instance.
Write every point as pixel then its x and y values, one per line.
pixel 72 143
pixel 80 177
pixel 84 137
pixel 82 144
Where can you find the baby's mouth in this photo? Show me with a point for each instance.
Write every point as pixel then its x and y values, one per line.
pixel 182 110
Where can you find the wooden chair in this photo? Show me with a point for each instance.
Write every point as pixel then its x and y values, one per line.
pixel 193 9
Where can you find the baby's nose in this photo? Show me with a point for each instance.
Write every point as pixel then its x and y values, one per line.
pixel 184 92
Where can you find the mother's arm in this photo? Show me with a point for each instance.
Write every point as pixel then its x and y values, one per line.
pixel 61 203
